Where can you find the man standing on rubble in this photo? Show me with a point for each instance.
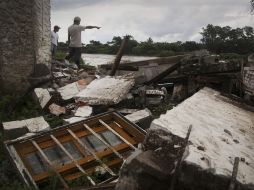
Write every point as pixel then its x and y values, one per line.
pixel 54 41
pixel 74 40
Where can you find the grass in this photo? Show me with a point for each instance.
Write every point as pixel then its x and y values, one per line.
pixel 25 109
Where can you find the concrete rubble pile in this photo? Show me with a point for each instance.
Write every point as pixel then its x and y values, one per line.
pixel 222 128
pixel 215 140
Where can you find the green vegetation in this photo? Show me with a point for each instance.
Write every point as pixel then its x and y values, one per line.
pixel 25 109
pixel 60 55
pixel 216 39
pixel 228 40
pixel 146 48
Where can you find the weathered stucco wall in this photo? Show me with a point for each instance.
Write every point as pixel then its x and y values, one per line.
pixel 249 79
pixel 25 41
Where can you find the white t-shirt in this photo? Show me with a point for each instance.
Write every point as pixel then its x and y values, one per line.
pixel 75 35
pixel 54 38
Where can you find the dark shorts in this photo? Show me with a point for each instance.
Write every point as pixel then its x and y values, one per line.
pixel 75 55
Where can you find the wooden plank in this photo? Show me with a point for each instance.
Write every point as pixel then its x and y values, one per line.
pixel 27 148
pixel 119 55
pixel 87 160
pixel 44 156
pixel 103 141
pixel 91 152
pixel 122 67
pixel 113 131
pixel 159 61
pixel 174 79
pixel 137 133
pixel 115 162
pixel 164 73
pixel 180 159
pixel 73 160
pixel 234 174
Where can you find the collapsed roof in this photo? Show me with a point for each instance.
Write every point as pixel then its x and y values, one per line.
pixel 222 130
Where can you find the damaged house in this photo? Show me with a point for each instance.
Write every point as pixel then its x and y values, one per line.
pixel 202 139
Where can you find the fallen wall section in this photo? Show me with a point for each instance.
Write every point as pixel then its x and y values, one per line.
pixel 222 130
pixel 249 79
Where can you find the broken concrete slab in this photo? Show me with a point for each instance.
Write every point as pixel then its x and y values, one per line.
pixel 142 118
pixel 180 92
pixel 248 79
pixel 58 75
pixel 144 70
pixel 69 91
pixel 147 170
pixel 43 96
pixel 56 109
pixel 74 119
pixel 208 64
pixel 125 111
pixel 107 90
pixel 212 150
pixel 84 111
pixel 15 129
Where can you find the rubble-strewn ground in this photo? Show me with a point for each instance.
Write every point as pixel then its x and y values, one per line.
pixel 27 108
pixel 58 108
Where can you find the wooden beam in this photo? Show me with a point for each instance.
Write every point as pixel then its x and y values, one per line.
pixel 114 163
pixel 234 174
pixel 102 140
pixel 91 152
pixel 85 161
pixel 160 61
pixel 180 159
pixel 44 156
pixel 113 131
pixel 72 159
pixel 27 148
pixel 119 55
pixel 164 73
pixel 122 67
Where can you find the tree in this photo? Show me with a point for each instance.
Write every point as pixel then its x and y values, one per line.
pixel 228 40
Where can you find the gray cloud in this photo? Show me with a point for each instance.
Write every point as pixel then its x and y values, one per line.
pixel 163 20
pixel 72 4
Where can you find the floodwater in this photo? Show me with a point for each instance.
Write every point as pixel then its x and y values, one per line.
pixel 99 59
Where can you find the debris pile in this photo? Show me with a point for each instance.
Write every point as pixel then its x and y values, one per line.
pixel 141 91
pixel 215 140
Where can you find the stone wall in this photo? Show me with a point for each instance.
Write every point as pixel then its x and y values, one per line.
pixel 25 41
pixel 249 79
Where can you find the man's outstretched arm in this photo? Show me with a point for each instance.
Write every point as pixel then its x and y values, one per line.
pixel 91 27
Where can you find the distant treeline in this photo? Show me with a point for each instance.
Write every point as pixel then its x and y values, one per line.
pixel 215 39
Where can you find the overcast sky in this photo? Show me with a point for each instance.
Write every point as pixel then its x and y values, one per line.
pixel 162 20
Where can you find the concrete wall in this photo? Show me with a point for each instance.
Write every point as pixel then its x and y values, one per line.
pixel 24 39
pixel 249 79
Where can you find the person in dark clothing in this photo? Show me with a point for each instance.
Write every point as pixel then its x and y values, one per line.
pixel 74 40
